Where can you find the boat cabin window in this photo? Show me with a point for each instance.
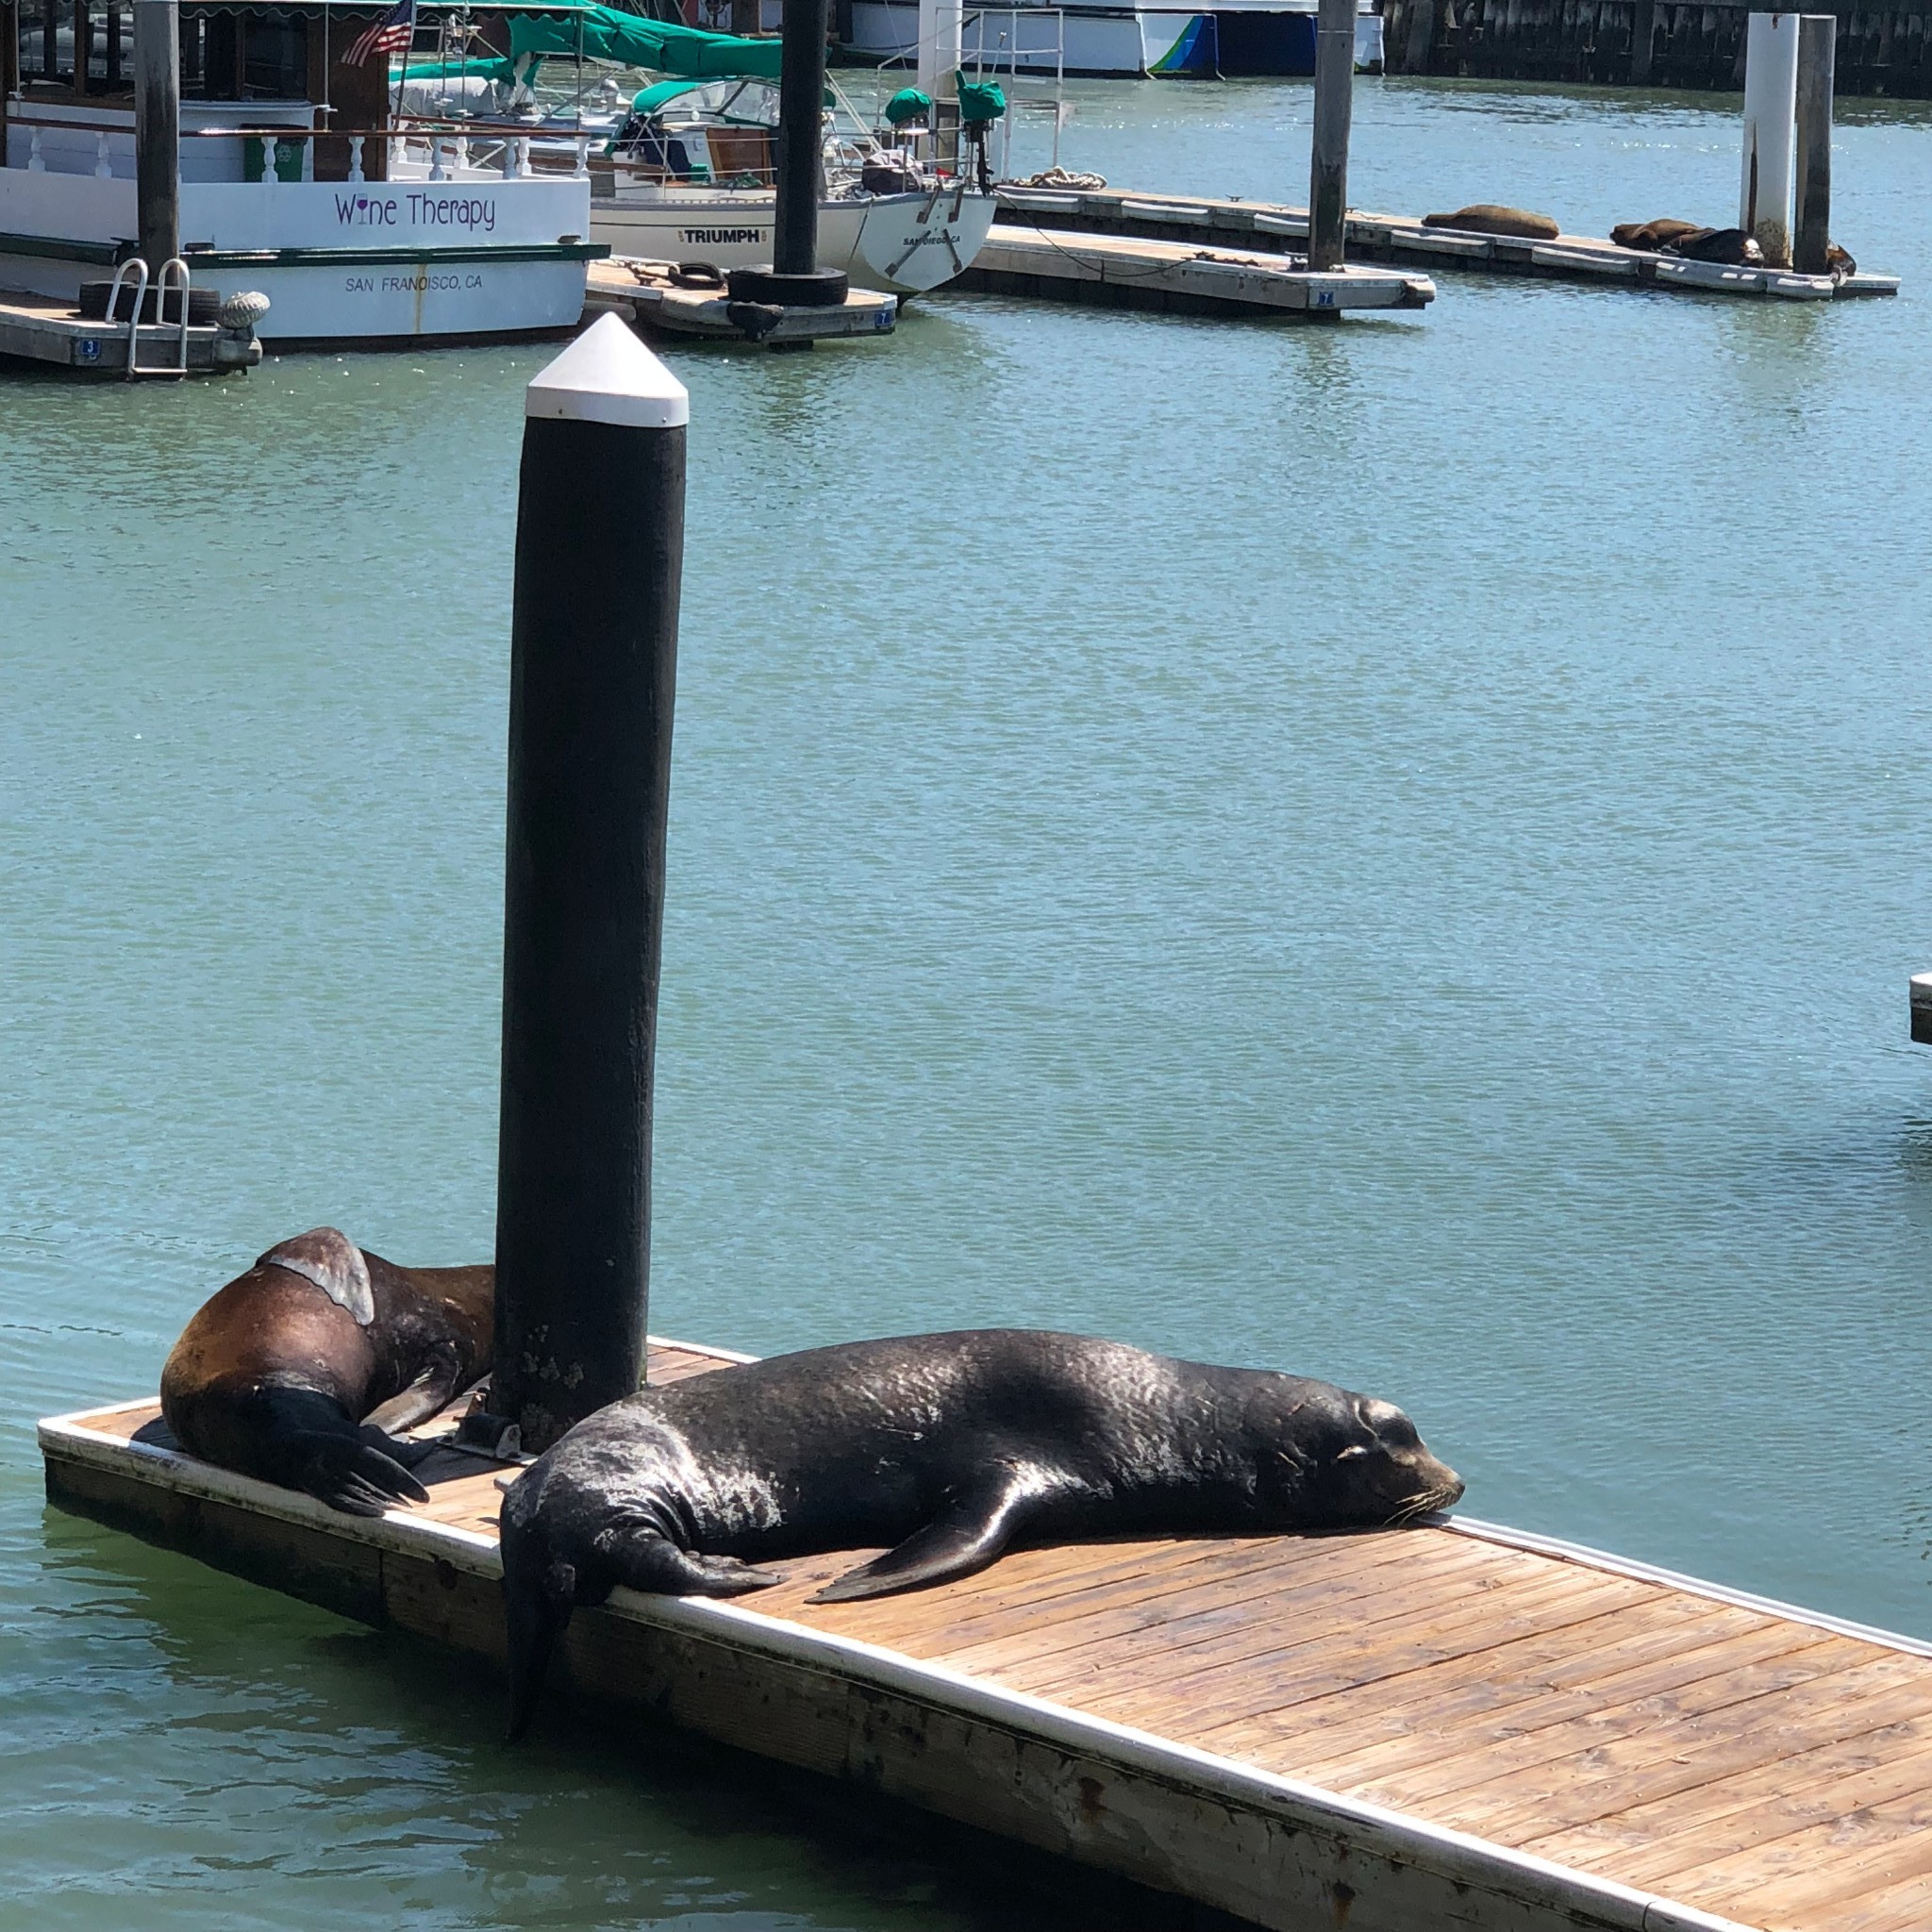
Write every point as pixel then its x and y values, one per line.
pixel 84 44
pixel 233 56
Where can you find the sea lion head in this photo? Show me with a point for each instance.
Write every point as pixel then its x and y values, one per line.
pixel 1332 1459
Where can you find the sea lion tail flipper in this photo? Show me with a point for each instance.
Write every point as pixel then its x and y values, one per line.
pixel 648 1560
pixel 537 1604
pixel 969 1533
pixel 351 1474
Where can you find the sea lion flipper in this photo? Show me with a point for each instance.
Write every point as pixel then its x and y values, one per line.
pixel 969 1533
pixel 352 1474
pixel 434 1389
pixel 334 1263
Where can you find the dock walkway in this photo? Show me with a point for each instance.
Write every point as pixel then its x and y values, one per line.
pixel 1124 270
pixel 1224 222
pixel 1450 1726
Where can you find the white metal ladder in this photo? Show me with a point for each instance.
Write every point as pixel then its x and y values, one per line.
pixel 179 284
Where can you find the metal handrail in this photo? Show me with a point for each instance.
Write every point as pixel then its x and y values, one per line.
pixel 114 289
pixel 173 261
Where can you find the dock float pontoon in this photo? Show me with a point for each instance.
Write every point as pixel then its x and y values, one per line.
pixel 51 329
pixel 1218 224
pixel 1123 271
pixel 664 296
pixel 1452 1726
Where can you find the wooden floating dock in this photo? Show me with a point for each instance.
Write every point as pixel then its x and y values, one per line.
pixel 48 328
pixel 650 295
pixel 1452 1726
pixel 1125 271
pixel 1921 1009
pixel 1402 239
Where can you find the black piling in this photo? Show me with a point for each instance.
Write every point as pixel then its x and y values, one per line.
pixel 594 652
pixel 795 279
pixel 1817 61
pixel 156 131
pixel 1333 106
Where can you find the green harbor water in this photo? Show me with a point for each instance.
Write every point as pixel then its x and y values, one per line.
pixel 1392 851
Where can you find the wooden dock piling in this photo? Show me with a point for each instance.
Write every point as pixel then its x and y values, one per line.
pixel 1328 145
pixel 1459 1726
pixel 593 654
pixel 157 132
pixel 1817 54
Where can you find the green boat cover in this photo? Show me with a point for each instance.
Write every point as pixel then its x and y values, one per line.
pixel 476 67
pixel 630 40
pixel 980 100
pixel 909 104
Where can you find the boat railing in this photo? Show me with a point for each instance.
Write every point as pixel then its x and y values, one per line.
pixel 1023 48
pixel 449 149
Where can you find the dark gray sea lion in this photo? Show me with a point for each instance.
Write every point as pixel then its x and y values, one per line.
pixel 949 1448
pixel 295 1371
pixel 1730 246
pixel 1491 218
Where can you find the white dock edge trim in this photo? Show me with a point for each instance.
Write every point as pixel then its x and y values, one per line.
pixel 1676 1579
pixel 722 1354
pixel 607 375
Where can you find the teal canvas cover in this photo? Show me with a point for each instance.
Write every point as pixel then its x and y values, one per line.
pixel 475 67
pixel 628 39
pixel 909 104
pixel 980 100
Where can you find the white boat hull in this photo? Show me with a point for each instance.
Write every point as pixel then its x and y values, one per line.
pixel 1232 37
pixel 897 244
pixel 471 253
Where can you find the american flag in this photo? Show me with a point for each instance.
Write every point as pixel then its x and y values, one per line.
pixel 392 34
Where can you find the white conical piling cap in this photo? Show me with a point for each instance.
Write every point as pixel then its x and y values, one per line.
pixel 607 375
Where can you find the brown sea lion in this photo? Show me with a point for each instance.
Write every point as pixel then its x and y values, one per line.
pixel 1490 218
pixel 1652 236
pixel 1838 261
pixel 296 1371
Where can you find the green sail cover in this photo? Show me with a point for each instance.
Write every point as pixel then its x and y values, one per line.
pixel 980 100
pixel 909 104
pixel 504 72
pixel 628 40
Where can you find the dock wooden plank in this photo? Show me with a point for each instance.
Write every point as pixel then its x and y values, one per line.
pixel 1695 1751
pixel 1474 1760
pixel 1249 1682
pixel 1428 1727
pixel 1650 1843
pixel 1539 1729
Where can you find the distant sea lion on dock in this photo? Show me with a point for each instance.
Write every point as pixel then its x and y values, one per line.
pixel 296 1371
pixel 1686 240
pixel 1652 236
pixel 948 1448
pixel 1491 218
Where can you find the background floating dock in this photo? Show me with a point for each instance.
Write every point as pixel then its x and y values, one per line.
pixel 1450 1727
pixel 650 295
pixel 1402 239
pixel 1127 271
